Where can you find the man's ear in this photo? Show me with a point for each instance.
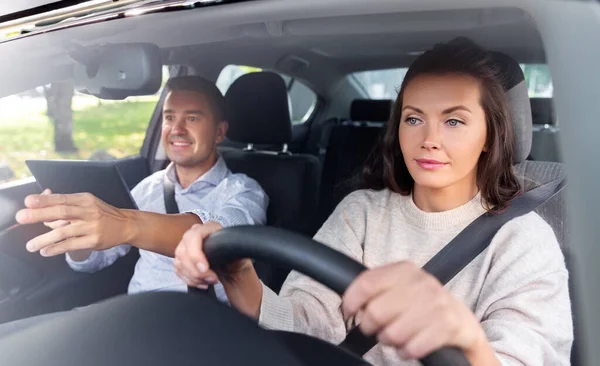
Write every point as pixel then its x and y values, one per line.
pixel 222 129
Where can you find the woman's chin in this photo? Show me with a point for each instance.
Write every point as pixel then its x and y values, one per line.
pixel 432 182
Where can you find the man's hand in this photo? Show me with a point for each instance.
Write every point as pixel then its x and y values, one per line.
pixel 94 224
pixel 191 264
pixel 409 309
pixel 239 279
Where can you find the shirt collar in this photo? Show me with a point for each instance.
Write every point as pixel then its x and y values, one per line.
pixel 213 176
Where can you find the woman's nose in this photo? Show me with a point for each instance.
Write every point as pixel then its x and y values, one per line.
pixel 432 138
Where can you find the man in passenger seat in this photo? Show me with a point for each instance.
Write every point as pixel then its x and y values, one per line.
pixel 92 233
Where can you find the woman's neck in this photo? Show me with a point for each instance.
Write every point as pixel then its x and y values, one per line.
pixel 443 199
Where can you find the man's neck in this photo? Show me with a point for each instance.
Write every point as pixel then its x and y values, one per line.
pixel 186 175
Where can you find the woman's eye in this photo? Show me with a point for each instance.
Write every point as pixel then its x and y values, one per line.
pixel 453 122
pixel 169 118
pixel 412 121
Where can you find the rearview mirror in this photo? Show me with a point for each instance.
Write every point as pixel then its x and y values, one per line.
pixel 117 71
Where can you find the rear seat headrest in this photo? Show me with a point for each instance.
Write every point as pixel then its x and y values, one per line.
pixel 258 110
pixel 370 110
pixel 518 99
pixel 542 111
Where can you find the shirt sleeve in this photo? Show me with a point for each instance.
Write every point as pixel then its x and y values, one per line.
pixel 524 304
pixel 248 206
pixel 306 306
pixel 98 260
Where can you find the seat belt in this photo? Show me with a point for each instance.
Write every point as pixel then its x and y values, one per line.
pixel 169 196
pixel 466 246
pixel 172 208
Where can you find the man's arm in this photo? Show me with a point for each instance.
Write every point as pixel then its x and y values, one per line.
pixel 96 225
pixel 159 233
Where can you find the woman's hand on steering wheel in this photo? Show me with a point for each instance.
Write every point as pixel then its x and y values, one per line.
pixel 409 309
pixel 191 264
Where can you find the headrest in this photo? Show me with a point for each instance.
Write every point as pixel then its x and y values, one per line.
pixel 370 110
pixel 257 109
pixel 518 101
pixel 542 111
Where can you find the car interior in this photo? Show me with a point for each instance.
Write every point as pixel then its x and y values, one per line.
pixel 306 167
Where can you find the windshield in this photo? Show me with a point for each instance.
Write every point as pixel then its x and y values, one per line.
pixel 83 88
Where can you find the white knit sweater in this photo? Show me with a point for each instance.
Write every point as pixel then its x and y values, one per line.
pixel 517 287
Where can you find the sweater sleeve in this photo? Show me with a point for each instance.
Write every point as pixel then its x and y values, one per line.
pixel 524 304
pixel 306 306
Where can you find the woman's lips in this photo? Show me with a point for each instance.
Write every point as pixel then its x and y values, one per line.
pixel 429 164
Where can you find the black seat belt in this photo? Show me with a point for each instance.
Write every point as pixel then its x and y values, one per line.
pixel 466 246
pixel 172 208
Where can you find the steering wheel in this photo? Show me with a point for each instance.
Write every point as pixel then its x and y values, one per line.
pixel 325 265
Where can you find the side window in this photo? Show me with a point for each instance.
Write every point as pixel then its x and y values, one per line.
pixel 380 84
pixel 55 122
pixel 538 79
pixel 302 99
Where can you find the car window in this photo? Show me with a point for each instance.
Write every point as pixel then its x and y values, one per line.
pixel 55 122
pixel 538 79
pixel 380 84
pixel 385 84
pixel 302 99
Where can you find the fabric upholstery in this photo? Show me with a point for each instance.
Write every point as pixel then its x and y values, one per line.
pixel 349 147
pixel 258 110
pixel 542 111
pixel 370 110
pixel 518 100
pixel 290 181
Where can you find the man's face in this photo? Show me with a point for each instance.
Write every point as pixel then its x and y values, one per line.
pixel 190 133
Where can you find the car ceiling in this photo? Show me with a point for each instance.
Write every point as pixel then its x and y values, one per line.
pixel 318 42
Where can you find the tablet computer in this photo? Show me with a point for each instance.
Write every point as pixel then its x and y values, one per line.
pixel 100 178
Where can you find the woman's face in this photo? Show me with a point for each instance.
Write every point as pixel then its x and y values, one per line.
pixel 442 130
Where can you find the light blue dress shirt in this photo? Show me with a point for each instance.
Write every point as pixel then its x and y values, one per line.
pixel 218 196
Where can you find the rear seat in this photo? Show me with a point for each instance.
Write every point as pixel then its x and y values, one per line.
pixel 350 142
pixel 545 132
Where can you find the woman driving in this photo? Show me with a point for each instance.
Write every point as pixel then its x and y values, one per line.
pixel 445 159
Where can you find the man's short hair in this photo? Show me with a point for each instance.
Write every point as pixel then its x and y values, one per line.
pixel 203 86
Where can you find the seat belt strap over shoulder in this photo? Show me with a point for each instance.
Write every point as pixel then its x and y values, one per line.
pixel 478 235
pixel 169 196
pixel 172 208
pixel 466 246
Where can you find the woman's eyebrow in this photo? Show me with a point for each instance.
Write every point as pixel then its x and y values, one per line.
pixel 456 108
pixel 413 108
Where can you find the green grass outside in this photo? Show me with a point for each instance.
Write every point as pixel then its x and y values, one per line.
pixel 118 128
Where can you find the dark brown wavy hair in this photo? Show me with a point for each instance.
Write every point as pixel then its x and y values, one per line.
pixel 385 166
